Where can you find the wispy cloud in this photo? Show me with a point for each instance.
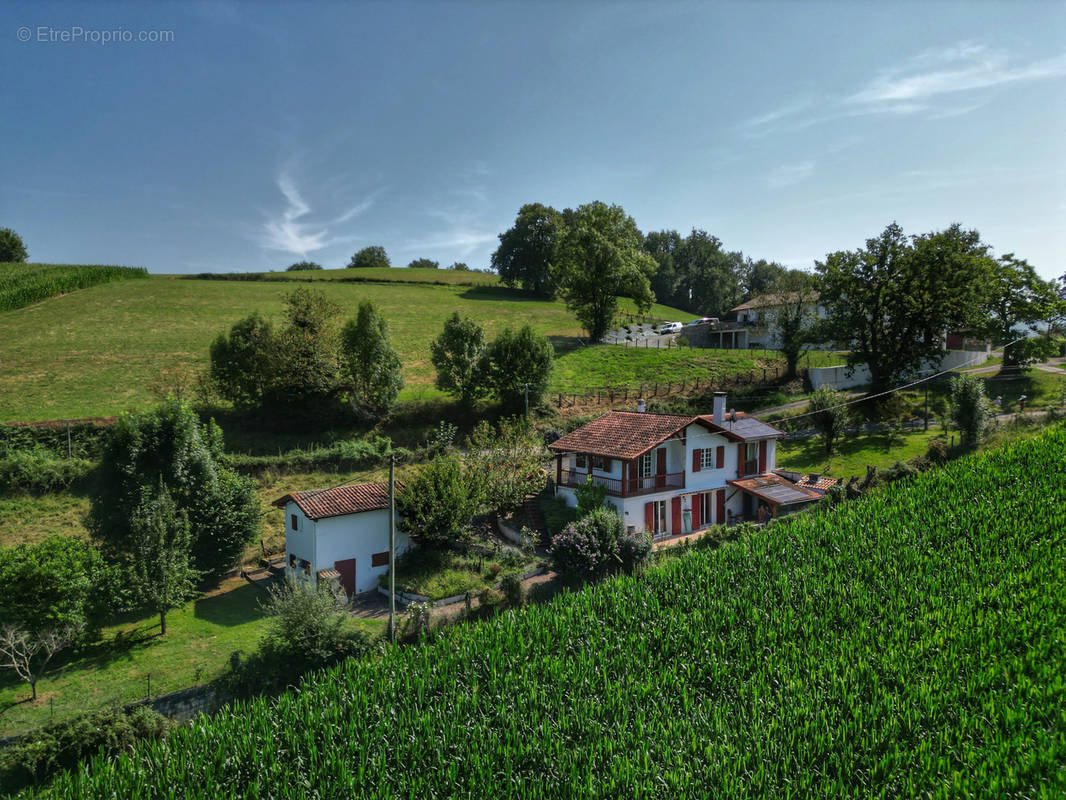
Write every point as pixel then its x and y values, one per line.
pixel 292 230
pixel 463 216
pixel 789 174
pixel 937 84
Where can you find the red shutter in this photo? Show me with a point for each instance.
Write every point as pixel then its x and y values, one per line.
pixel 721 507
pixel 762 456
pixel 696 503
pixel 697 456
pixel 675 517
pixel 740 459
pixel 649 517
pixel 719 456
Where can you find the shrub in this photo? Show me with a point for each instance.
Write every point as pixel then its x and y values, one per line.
pixel 969 408
pixel 590 496
pixel 899 470
pixel 300 266
pixel 33 759
pixel 834 495
pixel 37 472
pixel 557 514
pixel 596 545
pixel 438 504
pixel 424 263
pixel 512 556
pixel 937 451
pixel 517 362
pixel 513 591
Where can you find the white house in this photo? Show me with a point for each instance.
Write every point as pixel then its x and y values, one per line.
pixel 759 316
pixel 672 474
pixel 340 534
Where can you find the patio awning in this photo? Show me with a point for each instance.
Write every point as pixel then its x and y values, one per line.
pixel 775 490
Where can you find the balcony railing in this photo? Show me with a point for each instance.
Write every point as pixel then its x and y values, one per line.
pixel 628 487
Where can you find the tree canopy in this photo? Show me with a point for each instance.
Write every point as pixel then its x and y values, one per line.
pixel 517 362
pixel 529 250
pixel 170 446
pixel 1019 299
pixel 457 356
pixel 373 256
pixel 424 263
pixel 12 248
pixel 374 368
pixel 603 258
pixel 301 266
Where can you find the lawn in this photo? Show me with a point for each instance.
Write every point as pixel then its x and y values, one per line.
pixel 854 452
pixel 438 574
pixel 98 351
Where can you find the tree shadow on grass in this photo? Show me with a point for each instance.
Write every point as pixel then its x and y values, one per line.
pixel 501 293
pixel 566 344
pixel 236 607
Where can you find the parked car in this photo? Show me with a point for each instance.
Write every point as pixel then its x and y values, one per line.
pixel 670 327
pixel 703 320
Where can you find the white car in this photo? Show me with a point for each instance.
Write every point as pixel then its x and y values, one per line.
pixel 670 327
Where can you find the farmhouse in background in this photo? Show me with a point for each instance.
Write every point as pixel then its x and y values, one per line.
pixel 759 316
pixel 340 535
pixel 672 474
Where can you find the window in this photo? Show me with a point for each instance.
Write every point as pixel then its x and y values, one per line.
pixel 707 508
pixel 646 465
pixel 659 518
pixel 602 464
pixel 751 458
pixel 579 459
pixel 294 526
pixel 379 559
pixel 707 458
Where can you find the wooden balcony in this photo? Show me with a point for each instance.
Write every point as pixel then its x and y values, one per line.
pixel 630 487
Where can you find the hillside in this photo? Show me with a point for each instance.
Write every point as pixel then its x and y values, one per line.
pixel 909 644
pixel 97 352
pixel 23 284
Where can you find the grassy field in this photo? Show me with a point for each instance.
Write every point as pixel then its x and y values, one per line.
pixel 908 644
pixel 97 352
pixel 24 284
pixel 854 453
pixel 448 277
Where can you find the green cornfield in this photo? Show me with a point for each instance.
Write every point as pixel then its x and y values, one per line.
pixel 24 284
pixel 912 644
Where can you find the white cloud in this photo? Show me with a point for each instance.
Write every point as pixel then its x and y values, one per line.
pixel 290 231
pixel 789 174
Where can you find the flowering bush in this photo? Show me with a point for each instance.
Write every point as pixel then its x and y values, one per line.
pixel 598 544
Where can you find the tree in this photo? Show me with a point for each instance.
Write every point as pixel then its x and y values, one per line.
pixel 602 258
pixel 1018 300
pixel 760 277
pixel 12 249
pixel 712 274
pixel 517 363
pixel 28 654
pixel 309 374
pixel 508 461
pixel 529 251
pixel 424 263
pixel 368 257
pixel 457 356
pixel 373 365
pixel 244 362
pixel 438 504
pixel 893 300
pixel 970 409
pixel 301 266
pixel 460 266
pixel 828 414
pixel 170 445
pixel 54 583
pixel 794 316
pixel 668 283
pixel 161 573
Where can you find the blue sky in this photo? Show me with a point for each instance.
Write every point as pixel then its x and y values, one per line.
pixel 262 134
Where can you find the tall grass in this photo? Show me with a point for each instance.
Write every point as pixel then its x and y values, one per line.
pixel 24 284
pixel 909 644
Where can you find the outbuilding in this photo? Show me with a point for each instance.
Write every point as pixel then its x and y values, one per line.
pixel 340 535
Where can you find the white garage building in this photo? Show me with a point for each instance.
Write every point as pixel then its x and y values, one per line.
pixel 340 534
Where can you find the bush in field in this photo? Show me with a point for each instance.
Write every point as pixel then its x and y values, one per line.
pixel 37 471
pixel 424 263
pixel 244 362
pixel 512 589
pixel 439 502
pixel 12 248
pixel 302 266
pixel 171 446
pixel 34 759
pixel 374 368
pixel 829 415
pixel 970 409
pixel 596 545
pixel 457 356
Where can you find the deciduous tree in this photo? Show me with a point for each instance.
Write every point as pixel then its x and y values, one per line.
pixel 369 257
pixel 829 415
pixel 1018 300
pixel 12 248
pixel 517 362
pixel 424 263
pixel 528 253
pixel 439 502
pixel 374 368
pixel 457 356
pixel 508 460
pixel 244 362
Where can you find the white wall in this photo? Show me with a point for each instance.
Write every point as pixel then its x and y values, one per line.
pixel 838 377
pixel 334 539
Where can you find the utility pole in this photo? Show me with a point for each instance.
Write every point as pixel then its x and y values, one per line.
pixel 392 548
pixel 525 389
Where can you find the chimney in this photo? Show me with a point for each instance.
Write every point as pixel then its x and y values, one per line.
pixel 719 408
pixel 641 406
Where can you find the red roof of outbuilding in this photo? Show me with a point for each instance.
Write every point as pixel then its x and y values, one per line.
pixel 340 500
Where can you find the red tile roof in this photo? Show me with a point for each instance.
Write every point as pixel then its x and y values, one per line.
pixel 622 434
pixel 340 500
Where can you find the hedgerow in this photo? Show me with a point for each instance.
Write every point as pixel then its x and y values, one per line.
pixel 908 644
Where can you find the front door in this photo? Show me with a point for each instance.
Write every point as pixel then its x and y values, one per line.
pixel 347 570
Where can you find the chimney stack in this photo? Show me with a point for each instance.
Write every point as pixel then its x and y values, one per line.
pixel 641 406
pixel 719 408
